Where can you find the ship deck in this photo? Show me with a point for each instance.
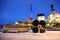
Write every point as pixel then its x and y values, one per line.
pixel 48 35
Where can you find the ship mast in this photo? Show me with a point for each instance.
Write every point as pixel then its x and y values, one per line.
pixel 30 18
pixel 52 7
pixel 31 12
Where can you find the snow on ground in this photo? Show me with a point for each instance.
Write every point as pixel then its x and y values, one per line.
pixel 48 35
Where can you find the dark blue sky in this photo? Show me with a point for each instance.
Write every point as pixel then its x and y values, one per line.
pixel 19 10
